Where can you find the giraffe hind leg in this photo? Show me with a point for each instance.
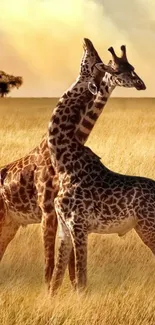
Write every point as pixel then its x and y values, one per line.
pixel 8 232
pixel 49 228
pixel 71 268
pixel 146 231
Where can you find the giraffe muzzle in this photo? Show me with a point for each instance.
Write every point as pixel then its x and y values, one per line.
pixel 139 84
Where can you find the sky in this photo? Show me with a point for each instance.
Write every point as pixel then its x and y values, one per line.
pixel 41 40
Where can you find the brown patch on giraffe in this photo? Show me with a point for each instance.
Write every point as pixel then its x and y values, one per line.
pixel 48 195
pixel 92 115
pixel 87 124
pixel 99 105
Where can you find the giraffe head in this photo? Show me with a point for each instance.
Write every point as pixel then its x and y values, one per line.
pixel 125 75
pixel 92 67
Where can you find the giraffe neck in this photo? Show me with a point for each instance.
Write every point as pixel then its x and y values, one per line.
pixel 93 112
pixel 68 113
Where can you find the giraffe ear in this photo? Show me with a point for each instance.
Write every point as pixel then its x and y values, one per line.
pixel 104 68
pixel 92 87
pixel 110 63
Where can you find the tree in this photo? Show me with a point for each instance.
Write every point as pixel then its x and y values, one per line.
pixel 8 82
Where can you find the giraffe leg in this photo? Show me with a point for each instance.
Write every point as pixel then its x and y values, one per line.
pixel 71 268
pixel 8 231
pixel 49 228
pixel 80 250
pixel 146 232
pixel 64 251
pixel 8 228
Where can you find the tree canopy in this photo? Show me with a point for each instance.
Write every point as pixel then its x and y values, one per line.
pixel 8 82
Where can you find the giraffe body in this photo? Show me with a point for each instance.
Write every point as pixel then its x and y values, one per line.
pixel 20 189
pixel 26 195
pixel 91 198
pixel 97 200
pixel 104 201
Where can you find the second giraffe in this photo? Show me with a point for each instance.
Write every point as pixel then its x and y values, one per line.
pixel 92 198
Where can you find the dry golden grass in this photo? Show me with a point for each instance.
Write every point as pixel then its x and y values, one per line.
pixel 121 271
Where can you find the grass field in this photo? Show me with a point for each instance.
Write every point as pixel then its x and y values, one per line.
pixel 121 271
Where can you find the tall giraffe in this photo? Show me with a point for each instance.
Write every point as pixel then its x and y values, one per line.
pixel 91 198
pixel 28 185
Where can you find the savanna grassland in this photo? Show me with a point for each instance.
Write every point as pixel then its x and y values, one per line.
pixel 121 271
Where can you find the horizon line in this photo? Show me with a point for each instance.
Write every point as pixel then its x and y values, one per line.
pixel 55 97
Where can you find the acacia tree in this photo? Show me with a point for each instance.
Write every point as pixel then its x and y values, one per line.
pixel 8 82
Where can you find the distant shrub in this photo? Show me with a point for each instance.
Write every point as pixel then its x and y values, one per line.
pixel 8 82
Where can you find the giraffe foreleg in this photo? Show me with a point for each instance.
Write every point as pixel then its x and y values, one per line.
pixel 64 251
pixel 71 264
pixel 79 239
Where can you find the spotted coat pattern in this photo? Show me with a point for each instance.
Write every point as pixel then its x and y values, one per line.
pixel 92 198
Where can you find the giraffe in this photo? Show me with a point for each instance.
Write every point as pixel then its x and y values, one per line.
pixel 28 185
pixel 91 198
